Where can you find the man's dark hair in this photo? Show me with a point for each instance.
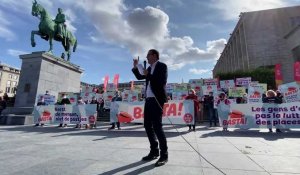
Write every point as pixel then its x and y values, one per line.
pixel 155 52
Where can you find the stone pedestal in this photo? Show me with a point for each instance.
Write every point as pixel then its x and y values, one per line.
pixel 40 72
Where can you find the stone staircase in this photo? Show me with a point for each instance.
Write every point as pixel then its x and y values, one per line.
pixel 17 116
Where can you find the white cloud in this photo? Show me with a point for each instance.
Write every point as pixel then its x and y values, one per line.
pixel 5 32
pixel 94 39
pixel 141 29
pixel 14 52
pixel 176 2
pixel 198 71
pixel 232 8
pixel 182 52
pixel 171 3
pixel 138 29
pixel 70 18
pixel 200 25
pixel 24 6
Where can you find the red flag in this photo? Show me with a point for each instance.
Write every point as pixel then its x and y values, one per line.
pixel 297 71
pixel 278 74
pixel 105 82
pixel 116 81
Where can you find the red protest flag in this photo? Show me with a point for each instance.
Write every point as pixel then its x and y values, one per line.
pixel 106 78
pixel 278 74
pixel 297 71
pixel 116 81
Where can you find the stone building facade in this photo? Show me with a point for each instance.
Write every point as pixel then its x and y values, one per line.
pixel 263 39
pixel 9 80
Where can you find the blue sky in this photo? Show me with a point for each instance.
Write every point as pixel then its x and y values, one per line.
pixel 190 34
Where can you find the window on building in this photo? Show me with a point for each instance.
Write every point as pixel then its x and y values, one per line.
pixel 14 84
pixel 7 89
pixel 14 87
pixel 15 77
pixel 10 76
pixel 14 90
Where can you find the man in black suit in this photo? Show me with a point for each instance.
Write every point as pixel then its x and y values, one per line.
pixel 156 78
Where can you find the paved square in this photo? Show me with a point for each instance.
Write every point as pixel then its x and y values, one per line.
pixel 28 150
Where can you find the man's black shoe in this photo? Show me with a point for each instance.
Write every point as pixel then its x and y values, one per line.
pixel 151 156
pixel 111 128
pixel 161 161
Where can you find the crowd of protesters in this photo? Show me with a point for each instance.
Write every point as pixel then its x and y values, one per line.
pixel 205 106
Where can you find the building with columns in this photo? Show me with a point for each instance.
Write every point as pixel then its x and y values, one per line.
pixel 262 39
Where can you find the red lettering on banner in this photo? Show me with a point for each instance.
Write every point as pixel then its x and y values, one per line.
pixel 166 106
pixel 172 110
pixel 255 96
pixel 180 108
pixel 45 118
pixel 235 121
pixel 137 112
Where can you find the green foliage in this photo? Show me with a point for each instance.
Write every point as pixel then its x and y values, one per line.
pixel 262 74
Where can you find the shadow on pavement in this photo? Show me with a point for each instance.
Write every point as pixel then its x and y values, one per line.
pixel 129 166
pixel 254 133
pixel 102 131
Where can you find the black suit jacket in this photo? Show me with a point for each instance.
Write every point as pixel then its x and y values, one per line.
pixel 158 81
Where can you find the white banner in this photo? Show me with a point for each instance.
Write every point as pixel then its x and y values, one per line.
pixel 48 99
pixel 243 81
pixel 107 97
pixel 290 91
pixel 66 114
pixel 175 112
pixel 130 96
pixel 255 93
pixel 211 82
pixel 210 88
pixel 226 84
pixel 196 84
pixel 262 115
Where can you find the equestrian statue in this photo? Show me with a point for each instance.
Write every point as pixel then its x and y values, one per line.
pixel 50 29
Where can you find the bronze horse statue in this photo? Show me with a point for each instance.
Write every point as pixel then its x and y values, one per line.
pixel 48 30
